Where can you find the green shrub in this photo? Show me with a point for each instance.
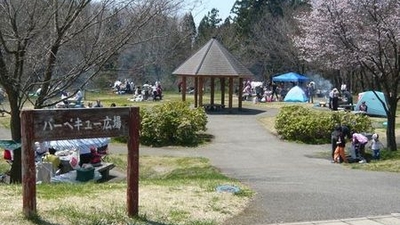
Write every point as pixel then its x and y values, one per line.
pixel 297 123
pixel 173 123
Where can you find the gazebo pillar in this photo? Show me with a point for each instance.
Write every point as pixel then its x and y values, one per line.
pixel 212 84
pixel 196 91
pixel 240 94
pixel 230 92
pixel 222 81
pixel 200 87
pixel 183 88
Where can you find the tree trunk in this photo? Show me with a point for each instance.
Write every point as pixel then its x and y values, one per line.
pixel 15 124
pixel 391 124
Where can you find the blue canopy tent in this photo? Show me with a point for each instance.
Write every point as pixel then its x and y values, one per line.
pixel 290 77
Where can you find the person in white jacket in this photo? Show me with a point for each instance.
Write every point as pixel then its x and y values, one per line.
pixel 376 146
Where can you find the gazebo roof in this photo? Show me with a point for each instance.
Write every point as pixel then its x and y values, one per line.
pixel 213 59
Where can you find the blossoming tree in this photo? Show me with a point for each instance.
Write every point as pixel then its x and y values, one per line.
pixel 357 34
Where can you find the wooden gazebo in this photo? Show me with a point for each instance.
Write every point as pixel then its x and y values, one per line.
pixel 213 61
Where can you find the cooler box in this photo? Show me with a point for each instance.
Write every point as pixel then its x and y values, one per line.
pixel 84 174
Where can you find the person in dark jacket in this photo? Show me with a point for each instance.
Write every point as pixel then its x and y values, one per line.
pixel 363 107
pixel 339 155
pixel 345 131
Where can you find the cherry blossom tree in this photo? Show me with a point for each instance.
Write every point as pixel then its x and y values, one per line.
pixel 361 34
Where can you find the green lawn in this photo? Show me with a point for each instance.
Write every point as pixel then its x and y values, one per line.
pixel 173 190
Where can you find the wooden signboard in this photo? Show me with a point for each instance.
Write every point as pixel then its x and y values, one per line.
pixel 86 123
pixel 61 124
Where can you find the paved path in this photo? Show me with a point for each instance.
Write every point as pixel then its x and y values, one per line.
pixel 292 185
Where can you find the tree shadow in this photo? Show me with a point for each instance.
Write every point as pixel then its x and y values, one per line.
pixel 36 219
pixel 236 111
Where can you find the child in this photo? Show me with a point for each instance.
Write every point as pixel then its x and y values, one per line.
pixel 339 155
pixel 376 146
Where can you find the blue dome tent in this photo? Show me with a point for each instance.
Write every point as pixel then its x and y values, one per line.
pixel 296 94
pixel 375 107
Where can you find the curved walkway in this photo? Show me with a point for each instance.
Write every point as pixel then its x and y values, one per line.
pixel 291 184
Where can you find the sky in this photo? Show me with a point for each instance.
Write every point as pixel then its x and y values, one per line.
pixel 224 7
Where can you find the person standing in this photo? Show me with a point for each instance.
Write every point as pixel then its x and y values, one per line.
pixel 376 146
pixel 335 99
pixel 331 98
pixel 339 155
pixel 310 92
pixel 180 86
pixel 274 91
pixel 343 87
pixel 334 138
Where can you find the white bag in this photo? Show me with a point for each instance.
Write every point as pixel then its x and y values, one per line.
pixel 74 160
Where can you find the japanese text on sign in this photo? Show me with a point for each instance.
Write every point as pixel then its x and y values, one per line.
pixel 77 124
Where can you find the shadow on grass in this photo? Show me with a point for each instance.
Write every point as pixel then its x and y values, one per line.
pixel 202 138
pixel 36 219
pixel 236 111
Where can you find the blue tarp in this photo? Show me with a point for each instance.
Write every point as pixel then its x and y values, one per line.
pixel 83 145
pixel 9 144
pixel 296 94
pixel 290 77
pixel 375 107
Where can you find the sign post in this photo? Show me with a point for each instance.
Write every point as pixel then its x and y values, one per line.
pixel 62 124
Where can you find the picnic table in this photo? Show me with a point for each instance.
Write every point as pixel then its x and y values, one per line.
pixel 347 107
